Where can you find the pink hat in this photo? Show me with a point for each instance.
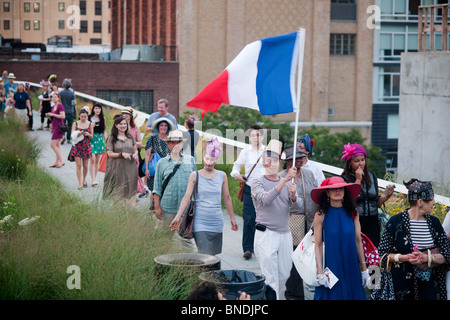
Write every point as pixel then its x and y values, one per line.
pixel 353 150
pixel 334 183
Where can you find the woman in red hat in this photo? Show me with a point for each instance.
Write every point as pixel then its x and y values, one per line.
pixel 336 226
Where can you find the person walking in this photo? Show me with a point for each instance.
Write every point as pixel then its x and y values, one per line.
pixel 57 115
pixel 163 112
pixel 336 226
pixel 97 143
pixel 168 195
pixel 212 186
pixel 272 197
pixel 306 144
pixel 121 175
pixel 68 101
pixel 22 102
pixel 416 243
pixel 82 130
pixel 156 146
pixel 368 201
pixel 250 158
pixel 45 105
pixel 300 219
pixel 191 136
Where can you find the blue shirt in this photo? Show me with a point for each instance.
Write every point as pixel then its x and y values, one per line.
pixel 155 116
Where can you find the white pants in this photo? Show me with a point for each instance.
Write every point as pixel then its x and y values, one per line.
pixel 274 253
pixel 22 114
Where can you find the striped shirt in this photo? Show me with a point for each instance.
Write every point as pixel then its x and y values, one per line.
pixel 420 234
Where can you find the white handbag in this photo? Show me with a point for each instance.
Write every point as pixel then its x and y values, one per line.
pixel 304 258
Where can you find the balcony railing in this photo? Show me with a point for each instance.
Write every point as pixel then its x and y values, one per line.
pixel 428 27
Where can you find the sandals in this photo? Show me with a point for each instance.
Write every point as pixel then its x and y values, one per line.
pixel 61 165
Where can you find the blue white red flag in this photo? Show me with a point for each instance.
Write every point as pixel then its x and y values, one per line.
pixel 261 77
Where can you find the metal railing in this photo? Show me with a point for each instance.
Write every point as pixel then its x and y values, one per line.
pixel 428 27
pixel 327 169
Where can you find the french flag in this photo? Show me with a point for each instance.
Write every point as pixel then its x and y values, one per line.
pixel 261 77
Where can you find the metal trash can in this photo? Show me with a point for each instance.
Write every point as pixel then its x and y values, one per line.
pixel 232 282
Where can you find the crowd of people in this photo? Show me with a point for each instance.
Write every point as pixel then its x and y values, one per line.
pixel 279 207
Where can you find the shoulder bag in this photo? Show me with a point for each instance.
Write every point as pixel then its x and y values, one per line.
pixel 242 185
pixel 186 228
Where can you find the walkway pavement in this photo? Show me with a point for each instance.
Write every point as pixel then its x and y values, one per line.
pixel 231 257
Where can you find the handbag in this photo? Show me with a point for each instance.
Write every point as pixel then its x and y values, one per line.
pixel 240 194
pixel 186 228
pixel 154 158
pixel 370 251
pixel 71 157
pixel 304 259
pixel 385 290
pixel 63 128
pixel 102 163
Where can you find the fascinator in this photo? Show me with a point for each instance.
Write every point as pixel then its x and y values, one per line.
pixel 213 148
pixel 309 144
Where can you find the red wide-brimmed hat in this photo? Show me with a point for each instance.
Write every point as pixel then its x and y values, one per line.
pixel 334 183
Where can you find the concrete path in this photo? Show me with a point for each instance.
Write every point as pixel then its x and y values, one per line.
pixel 231 256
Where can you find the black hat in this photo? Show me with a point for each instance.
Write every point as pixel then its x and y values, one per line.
pixel 289 152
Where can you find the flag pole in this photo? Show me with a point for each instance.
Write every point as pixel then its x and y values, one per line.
pixel 301 51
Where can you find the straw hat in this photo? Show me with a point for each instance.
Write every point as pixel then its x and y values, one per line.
pixel 335 183
pixel 163 119
pixel 274 146
pixel 127 110
pixel 11 76
pixel 175 136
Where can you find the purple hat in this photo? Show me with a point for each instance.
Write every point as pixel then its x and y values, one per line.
pixel 352 150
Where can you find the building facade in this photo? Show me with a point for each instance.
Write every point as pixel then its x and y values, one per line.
pixel 45 21
pixel 337 69
pixel 397 33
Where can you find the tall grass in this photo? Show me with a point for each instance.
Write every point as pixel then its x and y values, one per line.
pixel 113 245
pixel 16 149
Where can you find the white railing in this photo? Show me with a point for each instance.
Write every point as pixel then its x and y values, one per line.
pixel 331 170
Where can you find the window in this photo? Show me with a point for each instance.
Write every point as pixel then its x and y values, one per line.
pixel 392 126
pixel 343 10
pixel 98 8
pixel 393 40
pixel 6 7
pixel 36 25
pixel 26 7
pixel 388 84
pixel 61 6
pixel 95 41
pixel 61 24
pixel 342 44
pixel 6 25
pixel 97 27
pixel 83 7
pixel 83 26
pixel 36 7
pixel 141 100
pixel 26 25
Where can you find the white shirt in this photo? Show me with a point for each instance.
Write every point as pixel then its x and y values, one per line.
pixel 248 158
pixel 318 174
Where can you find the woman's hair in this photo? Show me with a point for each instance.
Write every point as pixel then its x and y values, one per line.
pixel 102 124
pixel 348 204
pixel 115 132
pixel 348 169
pixel 204 291
pixel 57 94
pixel 83 111
pixel 413 203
